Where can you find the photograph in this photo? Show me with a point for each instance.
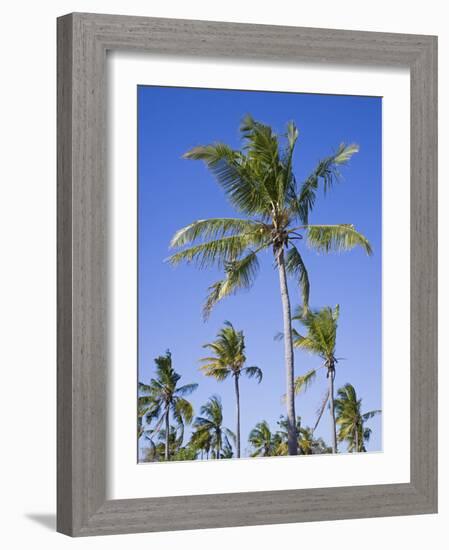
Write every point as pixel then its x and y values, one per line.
pixel 259 274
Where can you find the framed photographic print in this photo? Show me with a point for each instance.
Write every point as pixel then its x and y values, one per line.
pixel 247 283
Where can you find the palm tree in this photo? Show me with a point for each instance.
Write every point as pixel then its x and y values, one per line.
pixel 350 419
pixel 211 423
pixel 259 182
pixel 201 440
pixel 164 396
pixel 320 339
pixel 229 359
pixel 262 440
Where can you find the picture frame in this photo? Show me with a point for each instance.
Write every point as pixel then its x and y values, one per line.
pixel 83 40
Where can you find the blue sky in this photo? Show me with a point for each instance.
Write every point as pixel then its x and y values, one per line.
pixel 174 192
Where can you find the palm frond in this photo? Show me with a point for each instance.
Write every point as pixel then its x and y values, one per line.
pixel 295 266
pixel 336 238
pixel 308 343
pixel 240 274
pixel 303 382
pixel 187 389
pixel 253 372
pixel 216 371
pixel 143 387
pixel 371 414
pixel 321 409
pixel 212 229
pixel 213 253
pixel 327 172
pixel 234 174
pixel 182 411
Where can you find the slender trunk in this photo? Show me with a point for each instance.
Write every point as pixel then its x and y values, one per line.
pixel 237 400
pixel 331 376
pixel 167 433
pixel 288 355
pixel 356 437
pixel 218 446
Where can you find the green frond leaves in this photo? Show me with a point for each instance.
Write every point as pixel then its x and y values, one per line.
pixel 327 172
pixel 295 266
pixel 371 414
pixel 253 372
pixel 182 411
pixel 216 371
pixel 235 174
pixel 336 238
pixel 214 228
pixel 187 389
pixel 212 253
pixel 240 274
pixel 303 382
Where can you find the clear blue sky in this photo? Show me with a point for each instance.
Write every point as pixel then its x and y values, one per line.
pixel 174 192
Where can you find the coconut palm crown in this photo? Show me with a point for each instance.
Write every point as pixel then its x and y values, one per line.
pixel 229 359
pixel 259 182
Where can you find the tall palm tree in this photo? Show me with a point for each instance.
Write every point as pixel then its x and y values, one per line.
pixel 259 182
pixel 165 397
pixel 320 339
pixel 229 359
pixel 263 440
pixel 350 419
pixel 211 422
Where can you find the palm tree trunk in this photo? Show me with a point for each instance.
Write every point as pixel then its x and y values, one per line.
pixel 288 355
pixel 331 376
pixel 356 438
pixel 237 399
pixel 167 434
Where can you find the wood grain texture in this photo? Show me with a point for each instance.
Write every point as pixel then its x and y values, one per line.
pixel 83 40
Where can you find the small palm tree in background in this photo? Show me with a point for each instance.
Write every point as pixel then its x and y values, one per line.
pixel 320 339
pixel 351 420
pixel 157 440
pixel 201 440
pixel 164 397
pixel 229 359
pixel 263 440
pixel 309 445
pixel 259 182
pixel 211 423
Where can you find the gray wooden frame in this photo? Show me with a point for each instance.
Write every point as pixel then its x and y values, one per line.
pixel 83 40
